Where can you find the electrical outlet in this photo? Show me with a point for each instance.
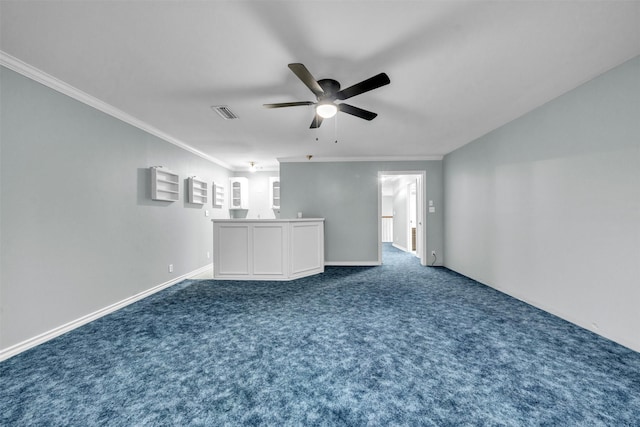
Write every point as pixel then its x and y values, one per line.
pixel 170 268
pixel 433 253
pixel 208 254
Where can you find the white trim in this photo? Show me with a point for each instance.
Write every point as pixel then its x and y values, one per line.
pixel 421 240
pixel 359 159
pixel 58 85
pixel 265 169
pixel 196 272
pixel 55 332
pixel 422 174
pixel 402 248
pixel 565 316
pixel 208 269
pixel 353 263
pixel 379 189
pixel 260 169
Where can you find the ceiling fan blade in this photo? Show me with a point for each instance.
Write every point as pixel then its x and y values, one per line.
pixel 364 86
pixel 358 112
pixel 288 104
pixel 303 74
pixel 317 121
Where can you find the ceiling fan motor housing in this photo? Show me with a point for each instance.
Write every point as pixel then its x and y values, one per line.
pixel 330 88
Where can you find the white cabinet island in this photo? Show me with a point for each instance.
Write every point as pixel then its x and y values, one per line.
pixel 267 249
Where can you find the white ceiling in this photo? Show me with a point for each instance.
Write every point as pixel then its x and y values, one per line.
pixel 458 69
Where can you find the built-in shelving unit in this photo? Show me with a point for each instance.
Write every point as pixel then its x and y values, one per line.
pixel 239 193
pixel 165 185
pixel 217 193
pixel 274 192
pixel 198 191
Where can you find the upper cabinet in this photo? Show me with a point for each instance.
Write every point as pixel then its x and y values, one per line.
pixel 238 193
pixel 198 191
pixel 164 184
pixel 274 192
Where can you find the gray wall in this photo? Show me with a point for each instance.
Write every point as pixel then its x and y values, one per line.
pixel 79 231
pixel 346 194
pixel 547 208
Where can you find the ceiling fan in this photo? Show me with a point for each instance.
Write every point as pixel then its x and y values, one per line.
pixel 327 91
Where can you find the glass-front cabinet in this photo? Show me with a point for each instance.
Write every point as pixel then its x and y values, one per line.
pixel 274 192
pixel 239 193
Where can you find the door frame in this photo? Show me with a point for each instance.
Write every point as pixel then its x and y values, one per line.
pixel 421 216
pixel 414 185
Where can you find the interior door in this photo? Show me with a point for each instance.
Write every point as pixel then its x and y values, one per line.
pixel 420 216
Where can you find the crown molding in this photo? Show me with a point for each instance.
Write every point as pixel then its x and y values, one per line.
pixel 358 159
pixel 258 171
pixel 58 85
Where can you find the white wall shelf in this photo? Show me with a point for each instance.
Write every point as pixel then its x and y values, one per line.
pixel 165 185
pixel 217 194
pixel 198 191
pixel 274 192
pixel 238 193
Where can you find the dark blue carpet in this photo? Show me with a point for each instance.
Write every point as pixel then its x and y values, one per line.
pixel 393 345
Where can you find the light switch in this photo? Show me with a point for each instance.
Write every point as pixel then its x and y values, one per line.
pixel 430 202
pixel 432 209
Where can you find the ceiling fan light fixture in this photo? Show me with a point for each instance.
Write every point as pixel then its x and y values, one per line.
pixel 326 110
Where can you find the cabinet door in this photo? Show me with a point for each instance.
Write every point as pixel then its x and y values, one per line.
pixel 236 195
pixel 274 192
pixel 239 193
pixel 231 253
pixel 270 250
pixel 306 247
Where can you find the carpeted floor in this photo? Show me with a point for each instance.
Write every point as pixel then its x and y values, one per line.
pixel 399 344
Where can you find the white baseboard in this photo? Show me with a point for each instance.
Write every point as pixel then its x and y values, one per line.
pixel 55 332
pixel 353 263
pixel 402 248
pixel 632 345
pixel 635 346
pixel 205 272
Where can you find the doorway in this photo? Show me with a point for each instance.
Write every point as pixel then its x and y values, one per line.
pixel 402 212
